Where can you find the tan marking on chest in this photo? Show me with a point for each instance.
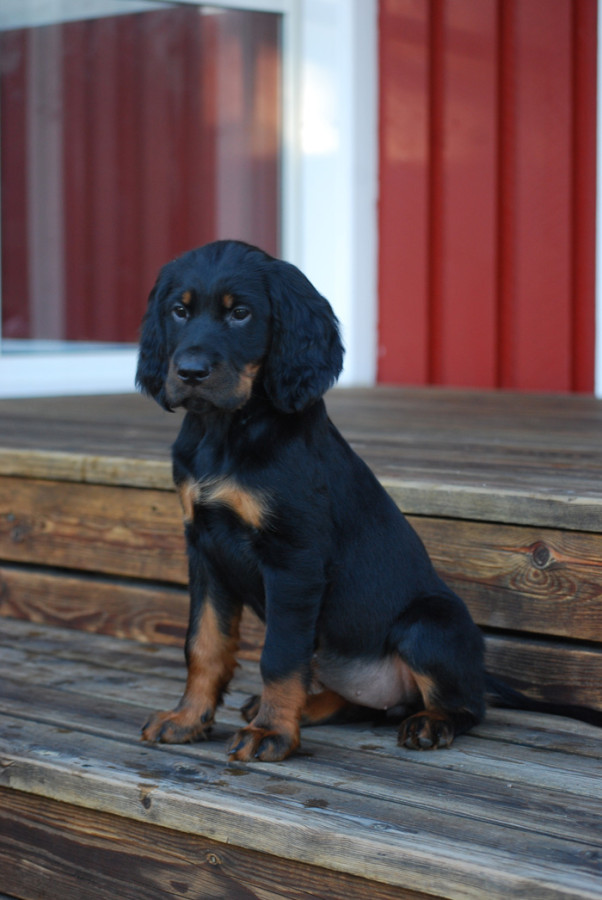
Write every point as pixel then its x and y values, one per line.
pixel 250 506
pixel 188 493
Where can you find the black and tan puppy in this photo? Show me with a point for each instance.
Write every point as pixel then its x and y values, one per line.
pixel 283 516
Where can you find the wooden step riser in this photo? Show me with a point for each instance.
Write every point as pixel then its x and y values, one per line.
pixel 112 560
pixel 567 672
pixel 46 842
pixel 516 578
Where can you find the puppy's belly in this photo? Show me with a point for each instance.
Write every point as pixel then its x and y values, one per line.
pixel 379 684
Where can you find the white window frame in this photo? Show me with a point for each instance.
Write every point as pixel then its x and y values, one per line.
pixel 329 191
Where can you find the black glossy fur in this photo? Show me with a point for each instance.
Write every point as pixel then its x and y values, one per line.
pixel 282 515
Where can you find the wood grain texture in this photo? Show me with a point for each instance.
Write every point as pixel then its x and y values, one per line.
pixel 556 672
pixel 527 579
pixel 91 855
pixel 132 609
pixel 511 809
pixel 117 546
pixel 96 528
pixel 532 459
pixel 80 467
pixel 542 581
pixel 568 672
pixel 141 610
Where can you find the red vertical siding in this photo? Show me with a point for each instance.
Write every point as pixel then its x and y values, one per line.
pixel 77 156
pixel 404 192
pixel 102 72
pixel 584 193
pixel 15 197
pixel 541 301
pixel 501 193
pixel 463 194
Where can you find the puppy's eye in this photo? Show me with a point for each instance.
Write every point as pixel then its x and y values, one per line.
pixel 180 312
pixel 240 313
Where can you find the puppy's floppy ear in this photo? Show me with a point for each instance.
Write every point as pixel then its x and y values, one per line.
pixel 306 353
pixel 153 359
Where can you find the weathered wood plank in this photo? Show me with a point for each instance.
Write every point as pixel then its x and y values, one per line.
pixel 492 500
pixel 559 673
pixel 569 672
pixel 386 840
pixel 90 855
pixel 21 644
pixel 533 460
pixel 144 611
pixel 525 579
pixel 530 579
pixel 109 685
pixel 55 465
pixel 97 528
pixel 460 493
pixel 453 823
pixel 368 764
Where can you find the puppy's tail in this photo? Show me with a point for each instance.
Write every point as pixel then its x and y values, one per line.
pixel 502 695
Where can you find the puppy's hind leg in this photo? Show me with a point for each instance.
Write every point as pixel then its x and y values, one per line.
pixel 442 646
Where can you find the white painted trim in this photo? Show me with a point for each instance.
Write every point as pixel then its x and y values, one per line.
pixel 56 374
pixel 337 230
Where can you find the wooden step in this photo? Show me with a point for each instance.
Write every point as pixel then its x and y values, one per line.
pixel 505 490
pixel 513 809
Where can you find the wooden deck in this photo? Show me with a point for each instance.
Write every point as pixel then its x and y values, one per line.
pixel 537 459
pixel 513 810
pixel 506 492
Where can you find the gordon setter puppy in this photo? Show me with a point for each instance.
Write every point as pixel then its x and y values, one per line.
pixel 282 515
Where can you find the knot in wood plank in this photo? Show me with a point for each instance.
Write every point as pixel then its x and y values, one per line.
pixel 541 555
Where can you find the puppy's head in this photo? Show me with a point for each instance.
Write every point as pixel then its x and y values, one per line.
pixel 228 317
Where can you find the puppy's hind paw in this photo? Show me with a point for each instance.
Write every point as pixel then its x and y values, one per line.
pixel 427 730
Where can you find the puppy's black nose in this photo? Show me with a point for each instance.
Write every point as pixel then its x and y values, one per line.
pixel 193 371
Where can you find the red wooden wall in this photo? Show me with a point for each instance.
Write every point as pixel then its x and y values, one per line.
pixel 170 137
pixel 487 193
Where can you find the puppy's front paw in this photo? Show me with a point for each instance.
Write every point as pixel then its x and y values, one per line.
pixel 177 726
pixel 262 743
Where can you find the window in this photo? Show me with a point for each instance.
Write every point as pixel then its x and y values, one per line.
pixel 134 129
pixel 130 132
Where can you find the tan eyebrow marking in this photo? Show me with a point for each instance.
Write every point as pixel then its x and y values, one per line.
pixel 228 301
pixel 187 298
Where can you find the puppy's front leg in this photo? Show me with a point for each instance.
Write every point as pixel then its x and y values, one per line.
pixel 291 614
pixel 211 645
